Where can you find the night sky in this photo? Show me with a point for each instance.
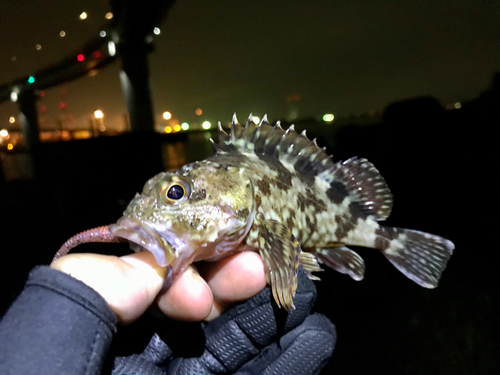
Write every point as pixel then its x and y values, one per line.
pixel 249 56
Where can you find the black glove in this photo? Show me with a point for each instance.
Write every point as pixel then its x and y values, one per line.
pixel 254 337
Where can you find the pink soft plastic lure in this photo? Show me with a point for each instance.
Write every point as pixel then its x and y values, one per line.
pixel 99 234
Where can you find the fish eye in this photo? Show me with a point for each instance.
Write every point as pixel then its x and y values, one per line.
pixel 174 192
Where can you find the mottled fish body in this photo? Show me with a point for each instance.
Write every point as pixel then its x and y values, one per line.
pixel 281 195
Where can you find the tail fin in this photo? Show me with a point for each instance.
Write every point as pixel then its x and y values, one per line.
pixel 420 256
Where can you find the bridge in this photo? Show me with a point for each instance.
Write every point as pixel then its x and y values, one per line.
pixel 128 36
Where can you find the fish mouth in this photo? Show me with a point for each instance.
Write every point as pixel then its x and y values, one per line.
pixel 142 237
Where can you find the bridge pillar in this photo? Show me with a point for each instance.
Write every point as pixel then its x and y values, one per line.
pixel 29 118
pixel 136 85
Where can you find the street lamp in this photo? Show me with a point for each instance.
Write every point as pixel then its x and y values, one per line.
pixel 98 122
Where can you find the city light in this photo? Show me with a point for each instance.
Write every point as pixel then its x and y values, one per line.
pixel 177 127
pixel 4 133
pixel 198 111
pixel 80 57
pixel 457 105
pixel 31 80
pixel 83 16
pixel 38 47
pixel 96 54
pixel 206 125
pixel 10 146
pixel 13 96
pixel 184 126
pixel 168 129
pixel 111 48
pixel 12 119
pixel 98 113
pixel 108 16
pixel 62 33
pixel 102 33
pixel 156 31
pixel 256 120
pixel 167 115
pixel 328 117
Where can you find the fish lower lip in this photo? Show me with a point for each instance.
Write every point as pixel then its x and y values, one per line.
pixel 140 234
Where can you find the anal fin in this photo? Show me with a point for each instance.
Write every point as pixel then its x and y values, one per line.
pixel 343 260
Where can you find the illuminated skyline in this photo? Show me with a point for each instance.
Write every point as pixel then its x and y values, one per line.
pixel 253 56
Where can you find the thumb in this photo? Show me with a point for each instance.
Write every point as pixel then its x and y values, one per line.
pixel 128 284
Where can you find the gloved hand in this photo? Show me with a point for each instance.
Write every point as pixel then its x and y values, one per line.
pixel 254 337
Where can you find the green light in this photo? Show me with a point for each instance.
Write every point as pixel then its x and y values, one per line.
pixel 184 126
pixel 31 79
pixel 206 125
pixel 328 117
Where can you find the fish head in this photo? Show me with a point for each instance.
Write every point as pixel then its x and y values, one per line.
pixel 197 212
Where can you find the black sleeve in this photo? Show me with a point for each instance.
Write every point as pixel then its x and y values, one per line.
pixel 57 325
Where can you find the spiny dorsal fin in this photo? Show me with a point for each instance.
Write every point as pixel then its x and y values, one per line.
pixel 265 139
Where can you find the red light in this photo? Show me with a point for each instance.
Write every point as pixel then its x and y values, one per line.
pixel 41 93
pixel 62 105
pixel 80 57
pixel 43 108
pixel 96 54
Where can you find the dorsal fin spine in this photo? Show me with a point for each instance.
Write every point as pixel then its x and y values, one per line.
pixel 264 121
pixel 264 139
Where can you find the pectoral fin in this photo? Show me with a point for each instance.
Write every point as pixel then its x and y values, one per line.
pixel 280 252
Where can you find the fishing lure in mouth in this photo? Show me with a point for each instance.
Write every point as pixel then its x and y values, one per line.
pixel 277 193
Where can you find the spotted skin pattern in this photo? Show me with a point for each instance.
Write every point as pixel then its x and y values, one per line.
pixel 275 192
pixel 323 206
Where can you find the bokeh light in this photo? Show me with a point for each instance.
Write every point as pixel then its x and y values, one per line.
pixel 328 117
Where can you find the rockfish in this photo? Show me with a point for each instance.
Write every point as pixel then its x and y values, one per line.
pixel 277 193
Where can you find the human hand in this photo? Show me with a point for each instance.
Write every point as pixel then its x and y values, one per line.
pixel 130 284
pixel 253 337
